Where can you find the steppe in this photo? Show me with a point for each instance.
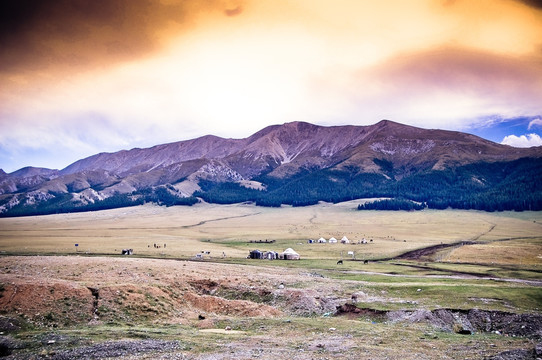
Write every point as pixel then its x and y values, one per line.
pixel 427 285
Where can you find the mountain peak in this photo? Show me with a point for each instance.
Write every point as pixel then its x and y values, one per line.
pixel 385 122
pixel 389 124
pixel 302 145
pixel 385 152
pixel 32 171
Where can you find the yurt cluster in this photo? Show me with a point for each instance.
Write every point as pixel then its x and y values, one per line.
pixel 288 254
pixel 332 240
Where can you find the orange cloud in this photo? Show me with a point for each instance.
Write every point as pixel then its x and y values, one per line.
pixel 447 86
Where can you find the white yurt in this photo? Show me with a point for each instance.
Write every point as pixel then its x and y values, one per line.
pixel 345 240
pixel 322 240
pixel 290 254
pixel 332 240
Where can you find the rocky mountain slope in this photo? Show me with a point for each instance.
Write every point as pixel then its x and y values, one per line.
pixel 288 158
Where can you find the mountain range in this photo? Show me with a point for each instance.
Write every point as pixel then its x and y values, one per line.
pixel 294 163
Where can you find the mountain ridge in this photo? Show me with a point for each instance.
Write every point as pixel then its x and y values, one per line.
pixel 387 152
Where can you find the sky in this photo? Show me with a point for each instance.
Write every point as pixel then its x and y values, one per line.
pixel 79 77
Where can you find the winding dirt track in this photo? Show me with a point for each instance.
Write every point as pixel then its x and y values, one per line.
pixel 456 275
pixel 218 219
pixel 428 251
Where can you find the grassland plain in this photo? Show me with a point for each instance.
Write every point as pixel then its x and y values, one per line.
pixel 230 228
pixel 98 304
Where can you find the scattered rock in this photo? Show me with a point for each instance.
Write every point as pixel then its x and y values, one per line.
pixel 315 274
pixel 305 302
pixel 7 345
pixel 459 321
pixel 10 324
pixel 114 349
pixel 359 296
pixel 518 354
pixel 458 328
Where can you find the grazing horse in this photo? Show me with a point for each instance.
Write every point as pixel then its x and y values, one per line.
pixel 340 262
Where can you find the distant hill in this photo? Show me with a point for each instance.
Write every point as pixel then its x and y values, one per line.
pixel 295 163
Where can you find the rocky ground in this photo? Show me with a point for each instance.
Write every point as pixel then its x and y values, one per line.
pixel 130 308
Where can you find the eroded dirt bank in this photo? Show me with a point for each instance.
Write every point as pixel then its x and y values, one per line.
pixel 64 291
pixel 460 321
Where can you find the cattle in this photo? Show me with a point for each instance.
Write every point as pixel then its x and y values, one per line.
pixel 340 262
pixel 127 251
pixel 365 261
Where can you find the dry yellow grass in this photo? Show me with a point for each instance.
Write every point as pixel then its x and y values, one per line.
pixel 229 229
pixel 521 251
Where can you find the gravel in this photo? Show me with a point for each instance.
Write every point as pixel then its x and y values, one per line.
pixel 110 349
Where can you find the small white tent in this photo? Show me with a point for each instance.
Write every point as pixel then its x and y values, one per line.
pixel 332 240
pixel 345 240
pixel 322 240
pixel 290 254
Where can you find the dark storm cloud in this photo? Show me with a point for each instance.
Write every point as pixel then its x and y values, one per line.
pixel 533 3
pixel 70 32
pixel 79 33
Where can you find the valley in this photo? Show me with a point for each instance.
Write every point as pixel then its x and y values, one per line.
pixel 479 298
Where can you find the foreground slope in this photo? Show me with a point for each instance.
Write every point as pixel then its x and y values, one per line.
pixel 477 299
pixel 97 307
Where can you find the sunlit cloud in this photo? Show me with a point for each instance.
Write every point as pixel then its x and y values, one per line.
pixel 523 141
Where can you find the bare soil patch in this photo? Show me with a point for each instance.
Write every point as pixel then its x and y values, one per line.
pixel 61 291
pixel 223 331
